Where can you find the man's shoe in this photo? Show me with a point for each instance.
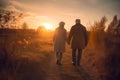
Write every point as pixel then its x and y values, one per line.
pixel 78 64
pixel 58 63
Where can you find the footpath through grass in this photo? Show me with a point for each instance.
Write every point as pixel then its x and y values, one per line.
pixel 36 61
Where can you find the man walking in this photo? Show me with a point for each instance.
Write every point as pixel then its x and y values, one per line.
pixel 78 39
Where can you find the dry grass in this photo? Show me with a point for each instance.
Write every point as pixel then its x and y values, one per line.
pixel 20 53
pixel 24 57
pixel 101 58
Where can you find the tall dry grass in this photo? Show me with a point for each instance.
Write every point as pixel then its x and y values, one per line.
pixel 20 52
pixel 100 57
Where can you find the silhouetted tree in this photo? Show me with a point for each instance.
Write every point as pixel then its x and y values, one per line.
pixel 113 31
pixel 97 33
pixel 41 29
pixel 118 27
pixel 113 25
pixel 9 19
pixel 100 25
pixel 25 26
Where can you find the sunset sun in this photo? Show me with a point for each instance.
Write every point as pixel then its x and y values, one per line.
pixel 48 26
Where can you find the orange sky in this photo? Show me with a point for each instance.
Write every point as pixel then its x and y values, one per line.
pixel 54 11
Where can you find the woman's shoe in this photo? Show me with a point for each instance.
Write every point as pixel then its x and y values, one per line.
pixel 74 64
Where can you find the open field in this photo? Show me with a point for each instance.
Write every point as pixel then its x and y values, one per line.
pixel 26 55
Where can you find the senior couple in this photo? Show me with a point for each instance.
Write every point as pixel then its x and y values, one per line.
pixel 77 38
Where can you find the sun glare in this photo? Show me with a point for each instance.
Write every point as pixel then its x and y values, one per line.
pixel 48 26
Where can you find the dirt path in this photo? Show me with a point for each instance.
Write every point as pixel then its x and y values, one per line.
pixel 66 71
pixel 46 68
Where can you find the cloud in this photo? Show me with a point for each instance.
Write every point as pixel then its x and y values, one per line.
pixel 87 10
pixel 4 3
pixel 8 5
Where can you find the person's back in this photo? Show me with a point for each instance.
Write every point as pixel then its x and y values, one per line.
pixel 59 39
pixel 79 36
pixel 60 34
pixel 78 39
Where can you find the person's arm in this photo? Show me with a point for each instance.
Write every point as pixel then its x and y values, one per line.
pixel 54 36
pixel 65 35
pixel 70 36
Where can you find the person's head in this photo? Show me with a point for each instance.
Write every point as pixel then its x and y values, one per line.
pixel 77 21
pixel 61 24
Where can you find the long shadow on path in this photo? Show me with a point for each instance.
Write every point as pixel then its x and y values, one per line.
pixel 66 71
pixel 83 73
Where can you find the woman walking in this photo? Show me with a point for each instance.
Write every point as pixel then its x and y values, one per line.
pixel 59 40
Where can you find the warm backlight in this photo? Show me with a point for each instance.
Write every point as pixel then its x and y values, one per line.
pixel 48 26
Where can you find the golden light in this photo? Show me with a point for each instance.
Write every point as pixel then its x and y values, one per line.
pixel 48 26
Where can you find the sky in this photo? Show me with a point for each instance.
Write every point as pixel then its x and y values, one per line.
pixel 53 11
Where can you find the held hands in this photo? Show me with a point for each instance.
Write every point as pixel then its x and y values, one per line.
pixel 68 42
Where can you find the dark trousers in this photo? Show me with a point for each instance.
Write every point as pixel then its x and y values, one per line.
pixel 76 57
